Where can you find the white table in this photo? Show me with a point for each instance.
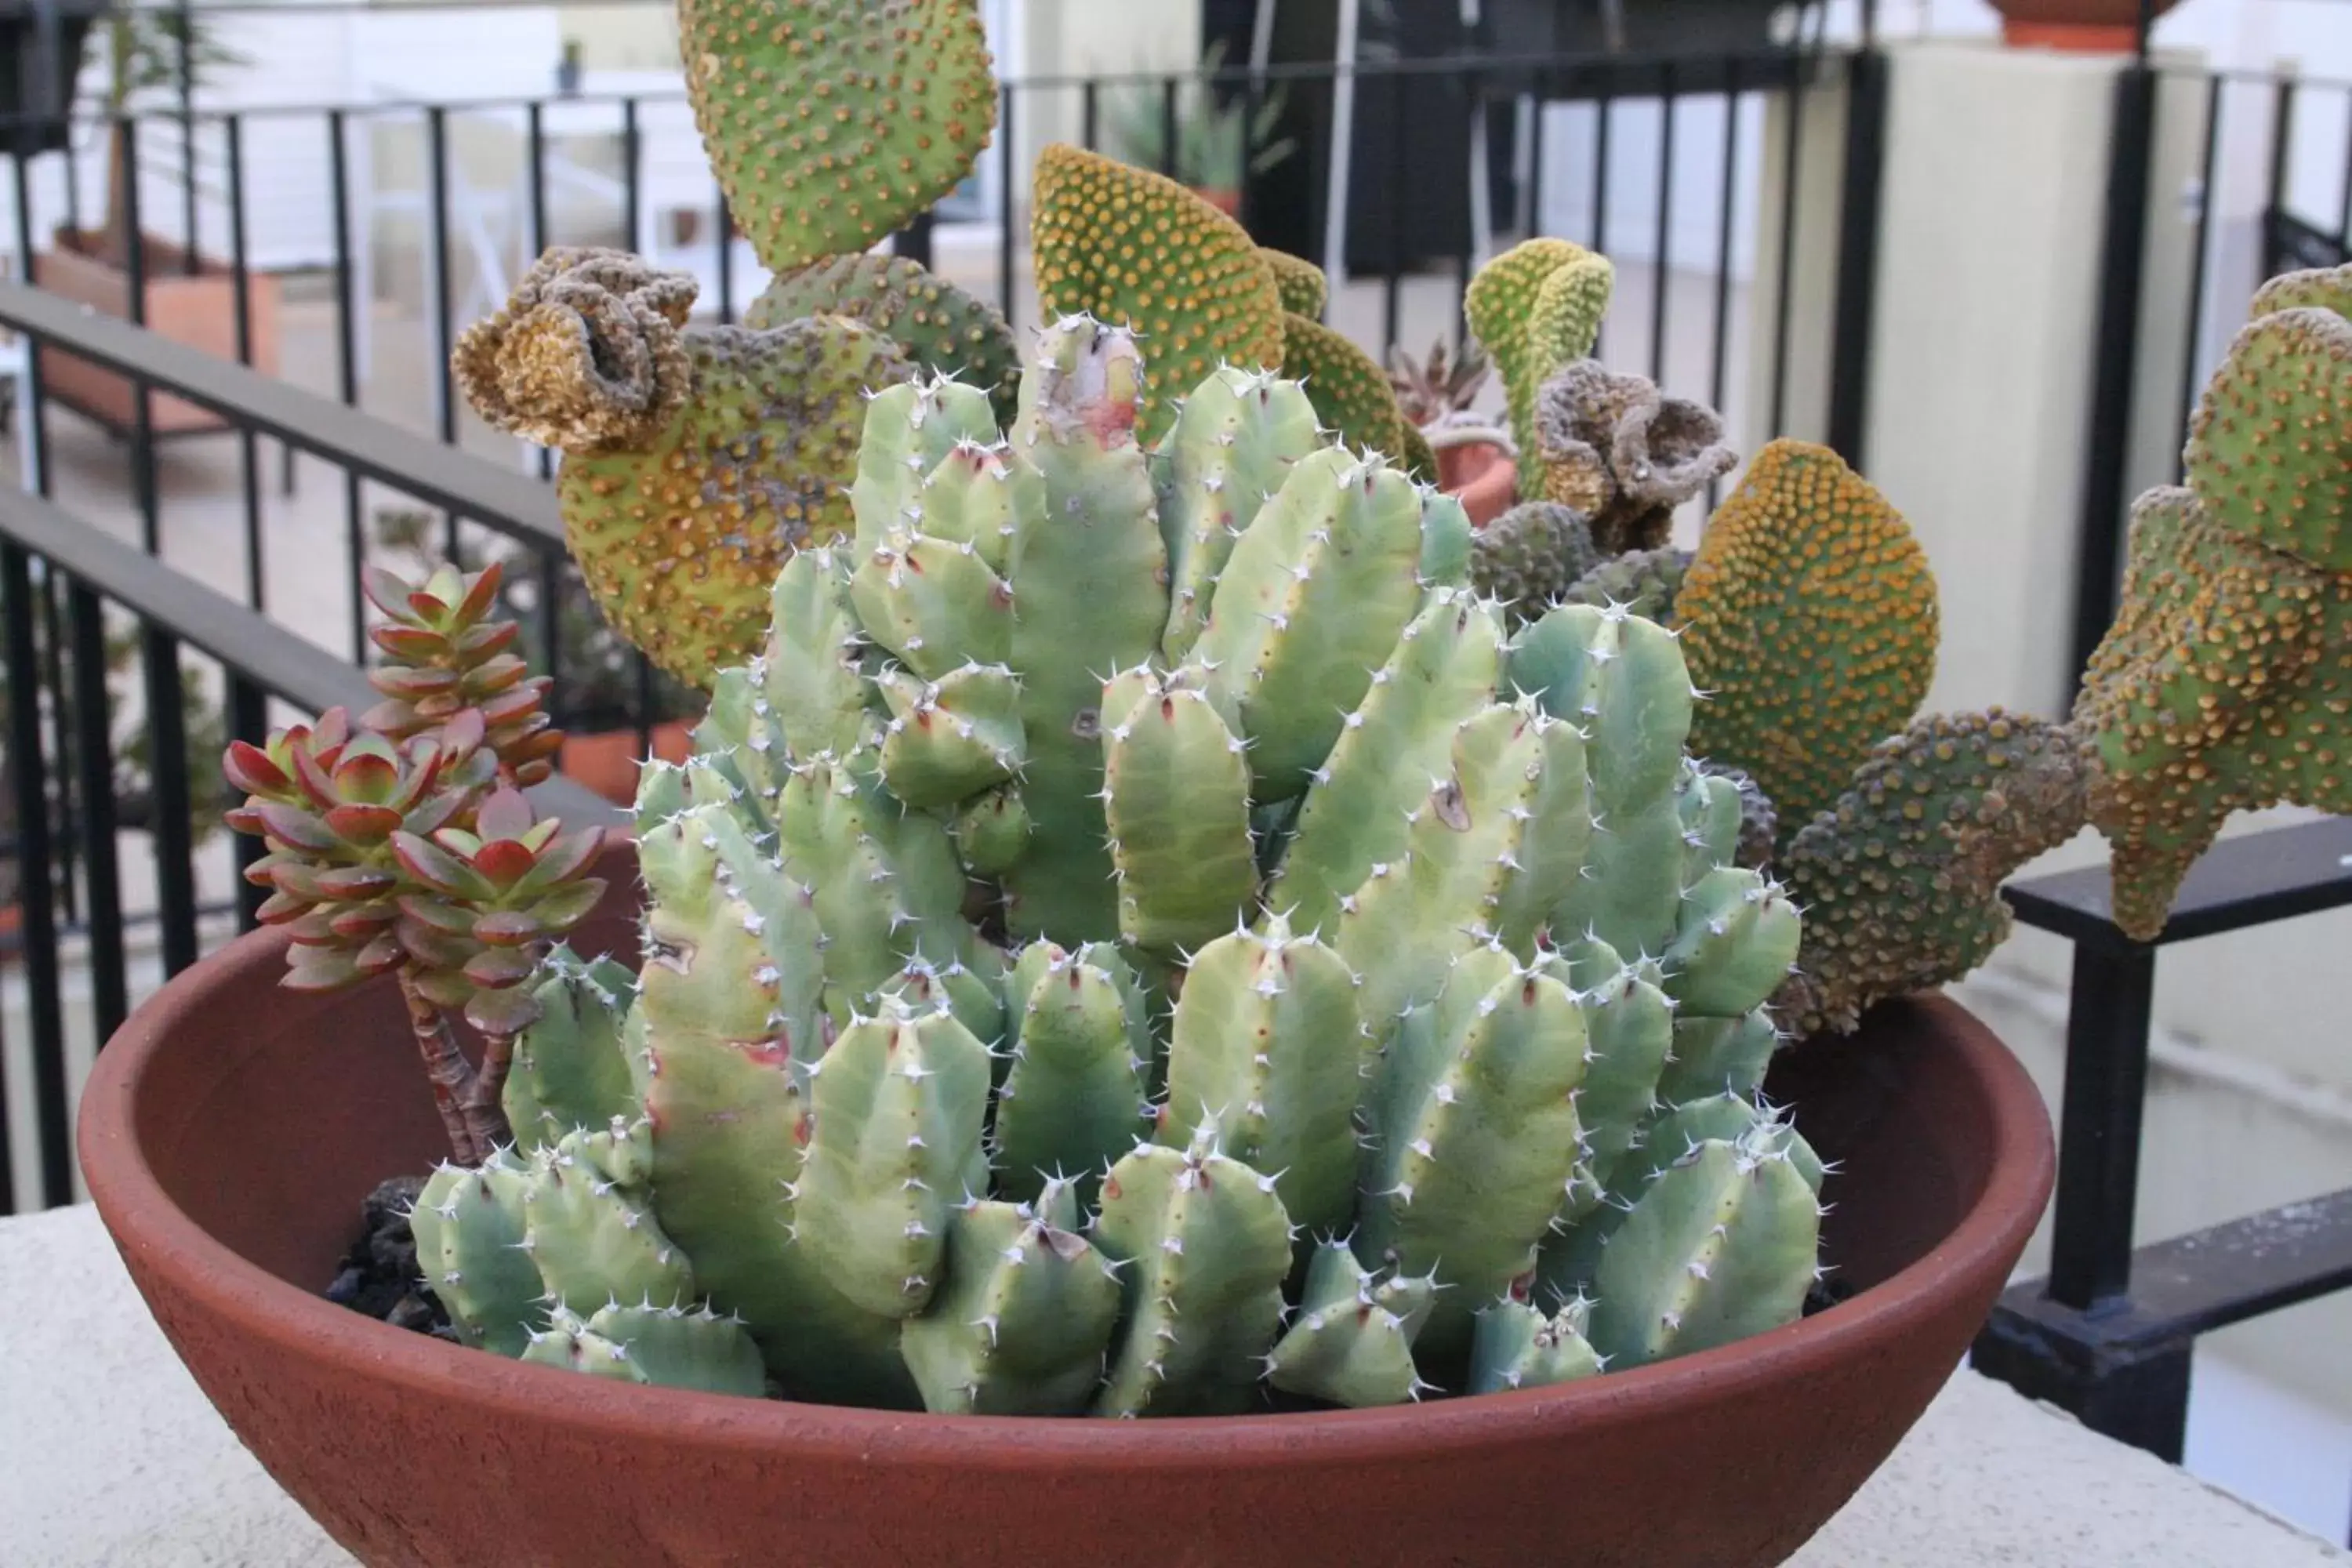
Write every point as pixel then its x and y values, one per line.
pixel 109 1455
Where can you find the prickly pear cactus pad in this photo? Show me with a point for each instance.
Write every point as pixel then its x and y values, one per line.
pixel 1137 250
pixel 939 326
pixel 683 489
pixel 1809 619
pixel 1142 939
pixel 1303 289
pixel 1615 448
pixel 1350 390
pixel 831 123
pixel 2226 681
pixel 1901 879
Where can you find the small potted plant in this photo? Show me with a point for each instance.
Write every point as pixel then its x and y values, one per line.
pixel 1132 939
pixel 1474 456
pixel 187 297
pixel 1219 144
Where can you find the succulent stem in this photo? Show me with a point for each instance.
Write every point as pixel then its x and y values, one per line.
pixel 474 1121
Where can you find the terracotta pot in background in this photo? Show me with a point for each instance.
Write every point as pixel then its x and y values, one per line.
pixel 2088 26
pixel 231 1128
pixel 606 760
pixel 198 308
pixel 1226 201
pixel 1480 476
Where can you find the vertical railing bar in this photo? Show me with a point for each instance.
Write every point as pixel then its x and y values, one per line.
pixel 439 331
pixel 33 403
pixel 1004 180
pixel 2101 1107
pixel 2197 261
pixel 1392 282
pixel 724 222
pixel 1535 156
pixel 169 798
pixel 346 371
pixel 45 1004
pixel 1783 288
pixel 1660 266
pixel 1089 114
pixel 538 145
pixel 187 86
pixel 241 280
pixel 142 400
pixel 1168 161
pixel 1853 312
pixel 53 653
pixel 2282 138
pixel 94 768
pixel 1603 110
pixel 248 721
pixel 1719 371
pixel 632 177
pixel 2343 204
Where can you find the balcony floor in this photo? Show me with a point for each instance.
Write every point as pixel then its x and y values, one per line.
pixel 112 1456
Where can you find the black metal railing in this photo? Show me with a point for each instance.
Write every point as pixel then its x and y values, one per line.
pixel 65 585
pixel 2109 1333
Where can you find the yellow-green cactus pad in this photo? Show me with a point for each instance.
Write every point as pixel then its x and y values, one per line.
pixel 1900 881
pixel 940 327
pixel 831 123
pixel 2225 685
pixel 1809 619
pixel 1351 395
pixel 1305 291
pixel 1534 308
pixel 1133 249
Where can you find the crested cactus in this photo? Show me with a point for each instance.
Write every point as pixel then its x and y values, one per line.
pixel 2225 683
pixel 1624 454
pixel 1535 309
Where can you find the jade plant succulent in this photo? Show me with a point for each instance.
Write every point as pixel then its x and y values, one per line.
pixel 1143 937
pixel 400 843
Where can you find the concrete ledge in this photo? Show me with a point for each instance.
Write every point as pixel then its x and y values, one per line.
pixel 109 1455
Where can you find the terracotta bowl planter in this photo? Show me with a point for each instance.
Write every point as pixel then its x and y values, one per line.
pixel 1481 477
pixel 231 1128
pixel 2087 26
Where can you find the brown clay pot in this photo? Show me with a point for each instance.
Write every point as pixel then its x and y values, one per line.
pixel 1481 477
pixel 231 1128
pixel 2085 26
pixel 606 760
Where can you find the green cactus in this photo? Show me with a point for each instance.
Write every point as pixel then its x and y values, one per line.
pixel 469 1231
pixel 1531 555
pixel 942 329
pixel 1352 1342
pixel 669 1346
pixel 1535 309
pixel 1203 1245
pixel 1171 833
pixel 831 123
pixel 1516 1346
pixel 1646 581
pixel 1350 392
pixel 2223 685
pixel 569 1070
pixel 1076 1093
pixel 1024 1317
